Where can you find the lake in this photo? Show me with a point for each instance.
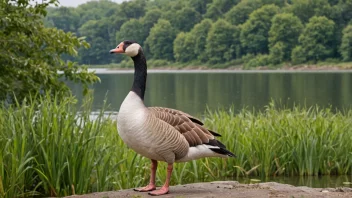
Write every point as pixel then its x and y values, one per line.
pixel 193 91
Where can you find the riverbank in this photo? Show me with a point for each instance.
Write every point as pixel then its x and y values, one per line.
pixel 228 189
pixel 151 71
pixel 323 66
pixel 113 68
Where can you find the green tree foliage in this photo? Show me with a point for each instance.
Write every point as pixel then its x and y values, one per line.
pixel 306 9
pixel 285 29
pixel 346 45
pixel 150 18
pixel 96 10
pixel 186 18
pixel 199 5
pixel 218 8
pixel 30 56
pixel 97 34
pixel 278 53
pixel 64 18
pixel 160 40
pixel 344 9
pixel 199 34
pixel 262 28
pixel 184 47
pixel 316 38
pixel 298 55
pixel 240 12
pixel 254 32
pixel 133 9
pixel 132 30
pixel 220 40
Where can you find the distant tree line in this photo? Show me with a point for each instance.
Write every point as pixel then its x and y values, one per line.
pixel 212 32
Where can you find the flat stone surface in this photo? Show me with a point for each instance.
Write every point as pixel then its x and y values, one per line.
pixel 227 189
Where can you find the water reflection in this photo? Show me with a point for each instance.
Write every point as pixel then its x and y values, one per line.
pixel 194 92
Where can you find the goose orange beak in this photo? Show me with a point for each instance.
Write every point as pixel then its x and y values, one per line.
pixel 118 49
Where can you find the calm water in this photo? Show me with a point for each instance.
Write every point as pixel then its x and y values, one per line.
pixel 194 92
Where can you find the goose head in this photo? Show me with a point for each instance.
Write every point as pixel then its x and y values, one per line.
pixel 130 48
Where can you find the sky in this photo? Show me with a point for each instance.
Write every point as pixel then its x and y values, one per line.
pixel 74 3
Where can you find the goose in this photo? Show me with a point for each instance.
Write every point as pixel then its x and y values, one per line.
pixel 158 133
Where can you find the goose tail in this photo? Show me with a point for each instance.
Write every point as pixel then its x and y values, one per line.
pixel 212 149
pixel 220 148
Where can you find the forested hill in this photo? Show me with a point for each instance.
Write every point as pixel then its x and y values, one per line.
pixel 213 32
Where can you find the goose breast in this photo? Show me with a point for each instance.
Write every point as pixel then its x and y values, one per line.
pixel 146 134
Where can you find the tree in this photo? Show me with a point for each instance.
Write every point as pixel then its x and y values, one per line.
pixel 199 34
pixel 259 30
pixel 97 34
pixel 218 8
pixel 66 19
pixel 254 32
pixel 278 53
pixel 298 55
pixel 160 40
pixel 183 47
pixel 150 18
pixel 132 30
pixel 333 2
pixel 306 9
pixel 133 9
pixel 220 42
pixel 96 10
pixel 346 44
pixel 345 10
pixel 30 56
pixel 186 18
pixel 285 29
pixel 316 38
pixel 240 12
pixel 199 5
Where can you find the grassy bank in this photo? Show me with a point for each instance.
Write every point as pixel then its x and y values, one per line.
pixel 46 149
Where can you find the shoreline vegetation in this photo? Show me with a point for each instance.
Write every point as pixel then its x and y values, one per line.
pixel 175 66
pixel 50 147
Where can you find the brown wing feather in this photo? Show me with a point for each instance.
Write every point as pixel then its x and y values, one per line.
pixel 190 127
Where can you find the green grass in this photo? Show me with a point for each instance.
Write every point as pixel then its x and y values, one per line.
pixel 48 147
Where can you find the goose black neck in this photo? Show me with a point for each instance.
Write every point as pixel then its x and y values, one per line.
pixel 140 74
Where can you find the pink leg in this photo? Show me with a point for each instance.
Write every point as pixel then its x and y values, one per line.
pixel 151 185
pixel 165 189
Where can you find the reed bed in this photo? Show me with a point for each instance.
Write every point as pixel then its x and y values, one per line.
pixel 49 147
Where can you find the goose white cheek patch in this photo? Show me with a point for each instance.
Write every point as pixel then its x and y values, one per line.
pixel 132 50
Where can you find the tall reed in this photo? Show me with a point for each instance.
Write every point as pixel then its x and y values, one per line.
pixel 298 141
pixel 50 147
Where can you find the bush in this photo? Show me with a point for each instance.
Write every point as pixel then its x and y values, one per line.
pixel 158 63
pixel 277 53
pixel 346 44
pixel 298 55
pixel 259 60
pixel 126 64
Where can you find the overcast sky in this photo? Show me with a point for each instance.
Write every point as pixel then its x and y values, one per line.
pixel 74 3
